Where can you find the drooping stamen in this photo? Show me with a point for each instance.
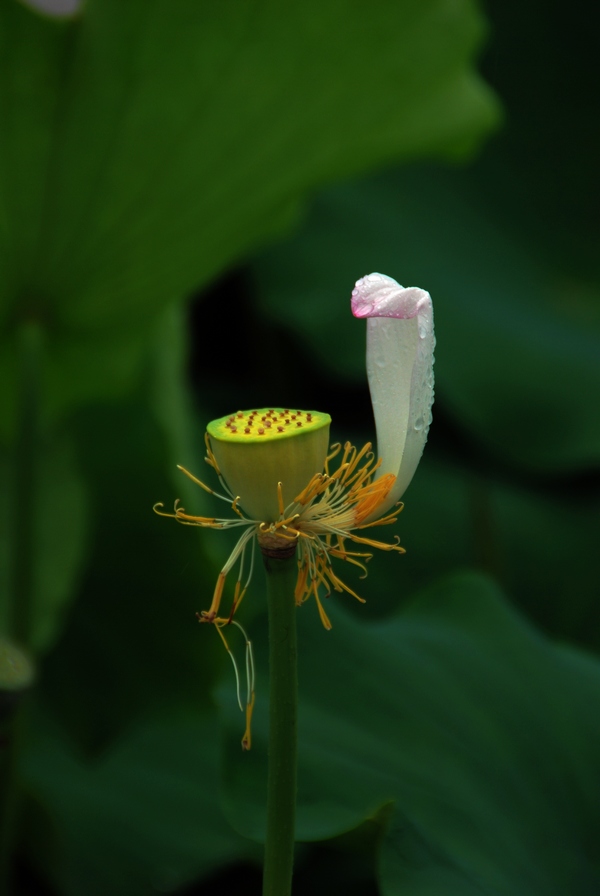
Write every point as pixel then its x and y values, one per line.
pixel 210 614
pixel 250 675
pixel 323 615
pixel 206 488
pixel 301 582
pixel 218 627
pixel 247 738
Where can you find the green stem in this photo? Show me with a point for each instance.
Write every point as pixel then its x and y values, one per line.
pixel 283 711
pixel 23 509
pixel 22 569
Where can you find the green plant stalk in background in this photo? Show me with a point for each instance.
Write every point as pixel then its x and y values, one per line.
pixel 283 727
pixel 22 572
pixel 29 346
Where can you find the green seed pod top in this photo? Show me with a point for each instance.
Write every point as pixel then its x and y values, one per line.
pixel 255 450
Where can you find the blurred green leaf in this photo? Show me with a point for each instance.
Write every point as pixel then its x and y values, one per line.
pixel 518 341
pixel 541 171
pixel 127 782
pixel 147 148
pixel 484 733
pixel 437 530
pixel 545 555
pixel 132 636
pixel 171 402
pixel 144 817
pixel 537 541
pixel 16 667
pixel 60 534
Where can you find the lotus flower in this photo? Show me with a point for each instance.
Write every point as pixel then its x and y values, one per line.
pixel 277 473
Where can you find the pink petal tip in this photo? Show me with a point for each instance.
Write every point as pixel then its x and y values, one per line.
pixel 377 295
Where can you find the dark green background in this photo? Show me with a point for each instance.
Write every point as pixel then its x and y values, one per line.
pixel 188 192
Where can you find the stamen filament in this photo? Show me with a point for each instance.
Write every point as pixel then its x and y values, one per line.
pixel 206 488
pixel 323 615
pixel 247 738
pixel 235 668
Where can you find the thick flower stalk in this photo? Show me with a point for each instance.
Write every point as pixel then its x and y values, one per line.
pixel 292 495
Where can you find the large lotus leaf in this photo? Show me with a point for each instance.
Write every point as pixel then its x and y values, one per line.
pixel 147 147
pixel 543 550
pixel 542 170
pixel 518 339
pixel 142 818
pixel 537 541
pixel 438 531
pixel 484 733
pixel 131 636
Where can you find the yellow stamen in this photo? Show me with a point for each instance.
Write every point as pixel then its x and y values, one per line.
pixel 209 615
pixel 322 613
pixel 238 596
pixel 380 545
pixel 341 586
pixel 311 491
pixel 218 625
pixel 384 520
pixel 247 738
pixel 195 480
pixel 361 478
pixel 347 557
pixel 372 495
pixel 210 457
pixel 341 551
pixel 356 458
pixel 301 583
pixel 181 516
pixel 349 451
pixel 334 451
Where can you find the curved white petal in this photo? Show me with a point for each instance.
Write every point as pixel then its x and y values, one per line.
pixel 400 345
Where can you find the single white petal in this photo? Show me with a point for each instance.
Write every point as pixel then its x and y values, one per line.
pixel 400 345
